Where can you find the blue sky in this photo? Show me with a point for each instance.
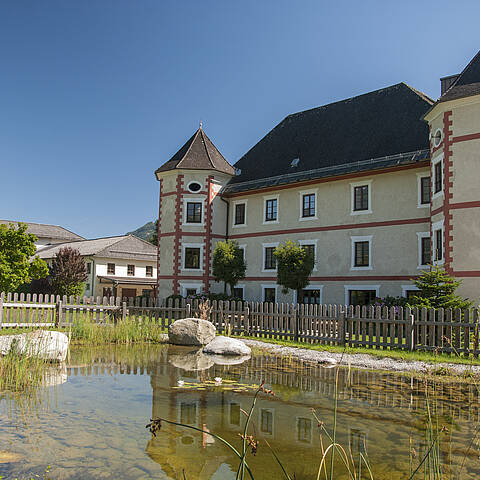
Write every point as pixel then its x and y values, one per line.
pixel 94 95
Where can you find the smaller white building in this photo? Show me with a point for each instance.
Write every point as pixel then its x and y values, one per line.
pixel 46 234
pixel 124 266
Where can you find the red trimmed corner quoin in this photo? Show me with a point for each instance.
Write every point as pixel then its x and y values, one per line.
pixel 448 186
pixel 208 233
pixel 159 224
pixel 177 240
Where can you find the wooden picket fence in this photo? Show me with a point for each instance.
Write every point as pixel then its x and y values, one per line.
pixel 444 331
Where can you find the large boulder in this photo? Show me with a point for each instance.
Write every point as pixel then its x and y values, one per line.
pixel 189 360
pixel 227 359
pixel 227 346
pixel 191 331
pixel 47 345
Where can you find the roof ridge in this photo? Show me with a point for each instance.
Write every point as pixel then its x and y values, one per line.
pixel 188 149
pixel 465 69
pixel 420 93
pixel 205 147
pixel 111 245
pixel 346 99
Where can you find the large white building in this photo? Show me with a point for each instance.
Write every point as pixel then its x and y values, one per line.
pixel 379 186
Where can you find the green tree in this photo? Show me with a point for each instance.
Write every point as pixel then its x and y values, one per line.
pixel 437 290
pixel 154 237
pixel 228 263
pixel 294 267
pixel 68 272
pixel 17 247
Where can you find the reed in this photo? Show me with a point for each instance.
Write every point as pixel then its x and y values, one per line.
pixel 21 373
pixel 86 331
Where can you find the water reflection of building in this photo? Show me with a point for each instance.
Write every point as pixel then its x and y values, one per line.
pixel 377 412
pixel 380 413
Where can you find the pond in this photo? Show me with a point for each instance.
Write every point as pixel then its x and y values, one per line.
pixel 93 424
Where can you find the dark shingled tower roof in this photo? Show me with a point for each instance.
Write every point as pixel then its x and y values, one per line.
pixel 466 84
pixel 370 126
pixel 198 153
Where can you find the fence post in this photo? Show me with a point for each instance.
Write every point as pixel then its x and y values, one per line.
pixel 58 323
pixel 410 330
pixel 124 311
pixel 247 319
pixel 188 306
pixel 341 326
pixel 295 321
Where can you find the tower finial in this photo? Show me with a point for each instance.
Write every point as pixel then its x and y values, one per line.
pixel 200 124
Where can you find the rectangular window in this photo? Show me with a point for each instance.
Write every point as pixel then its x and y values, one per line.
pixel 358 442
pixel 425 190
pixel 266 421
pixel 192 258
pixel 194 212
pixel 89 268
pixel 271 210
pixel 308 205
pixel 438 177
pixel 438 245
pixel 311 297
pixel 191 292
pixel 310 249
pixel 188 413
pixel 269 294
pixel 270 260
pixel 426 254
pixel 238 292
pixel 362 254
pixel 131 270
pixel 111 268
pixel 304 430
pixel 362 297
pixel 149 271
pixel 360 199
pixel 234 413
pixel 239 214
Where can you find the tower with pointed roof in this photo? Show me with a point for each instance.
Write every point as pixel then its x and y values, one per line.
pixel 191 215
pixel 454 122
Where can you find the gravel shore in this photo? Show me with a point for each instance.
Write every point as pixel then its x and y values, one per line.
pixel 360 360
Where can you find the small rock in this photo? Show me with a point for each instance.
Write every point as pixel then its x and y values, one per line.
pixel 191 331
pixel 227 346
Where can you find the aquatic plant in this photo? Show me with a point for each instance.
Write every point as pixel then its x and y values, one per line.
pixel 85 330
pixel 19 373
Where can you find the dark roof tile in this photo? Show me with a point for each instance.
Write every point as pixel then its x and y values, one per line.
pixel 198 153
pixel 377 124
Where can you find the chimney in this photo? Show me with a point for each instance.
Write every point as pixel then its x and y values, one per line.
pixel 446 82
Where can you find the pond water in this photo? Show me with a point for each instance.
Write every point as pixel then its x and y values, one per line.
pixel 92 426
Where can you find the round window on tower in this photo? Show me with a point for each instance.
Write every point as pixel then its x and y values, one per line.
pixel 437 137
pixel 194 187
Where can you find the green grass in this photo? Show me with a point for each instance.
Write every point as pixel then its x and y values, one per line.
pixel 19 373
pixel 395 354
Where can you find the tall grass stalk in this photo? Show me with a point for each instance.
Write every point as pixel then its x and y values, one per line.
pixel 20 373
pixel 131 330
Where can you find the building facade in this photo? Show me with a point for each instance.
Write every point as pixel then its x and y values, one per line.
pixel 122 266
pixel 379 187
